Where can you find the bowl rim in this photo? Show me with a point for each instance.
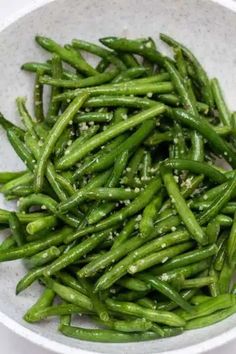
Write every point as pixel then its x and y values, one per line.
pixel 53 345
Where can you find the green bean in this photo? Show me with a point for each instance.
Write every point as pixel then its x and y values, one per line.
pixel 224 220
pixel 217 143
pixel 131 295
pixel 96 194
pixel 58 310
pixel 119 101
pixel 79 83
pixel 43 302
pixel 38 97
pixel 43 257
pixel 99 306
pixel 6 124
pixel 166 290
pixel 184 271
pixel 171 305
pixel 137 325
pixel 213 230
pixel 133 167
pixel 229 208
pixel 197 168
pixel 199 299
pixel 76 252
pixel 197 282
pixel 50 170
pixel 123 88
pixel 224 113
pixel 57 73
pixel 147 302
pixel 129 74
pixel 214 287
pixel 43 223
pixel 135 47
pixel 158 316
pixel 210 305
pixel 6 177
pixel 20 191
pixel 157 138
pixel 185 213
pixel 32 248
pixel 99 51
pixel 111 336
pixel 219 258
pixel 188 258
pixel 16 229
pixel 69 56
pixel 124 235
pixel 56 131
pixel 133 284
pixel 223 131
pixel 70 295
pixel 201 75
pixel 7 243
pixel 118 217
pixel 210 319
pixel 147 222
pixel 70 281
pixel 225 277
pixel 20 148
pixel 231 243
pixel 188 100
pixel 47 69
pixel 29 279
pixel 25 116
pixel 158 257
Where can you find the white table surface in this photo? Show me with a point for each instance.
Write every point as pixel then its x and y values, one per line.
pixel 10 342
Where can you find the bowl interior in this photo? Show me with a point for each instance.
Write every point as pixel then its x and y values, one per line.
pixel 207 28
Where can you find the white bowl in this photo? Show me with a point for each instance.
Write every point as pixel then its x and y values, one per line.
pixel 206 27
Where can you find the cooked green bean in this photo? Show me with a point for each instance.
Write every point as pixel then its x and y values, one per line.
pixel 224 113
pixel 188 258
pixel 185 213
pixel 123 88
pixel 70 295
pixel 69 56
pixel 158 316
pixel 16 229
pixel 43 302
pixel 111 336
pixel 56 131
pixel 231 243
pixel 158 257
pixel 47 222
pixel 57 73
pixel 80 83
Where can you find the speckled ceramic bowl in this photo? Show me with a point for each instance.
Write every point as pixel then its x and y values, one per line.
pixel 205 26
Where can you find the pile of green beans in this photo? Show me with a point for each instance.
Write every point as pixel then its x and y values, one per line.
pixel 124 213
